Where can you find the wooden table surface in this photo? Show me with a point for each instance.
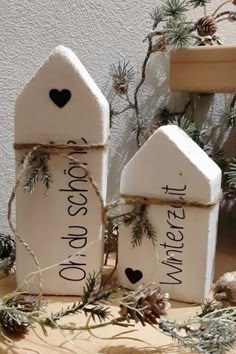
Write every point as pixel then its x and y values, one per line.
pixel 145 339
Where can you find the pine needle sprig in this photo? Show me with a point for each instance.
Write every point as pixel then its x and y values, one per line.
pixel 175 8
pixel 194 132
pixel 232 173
pixel 91 292
pixel 70 310
pixel 91 288
pixel 137 234
pixel 38 170
pixel 122 75
pixel 229 117
pixel 129 219
pixel 198 3
pixel 157 16
pixel 179 35
pixel 98 312
pixel 208 307
pixel 46 177
pixel 149 230
pixel 141 226
pixel 214 333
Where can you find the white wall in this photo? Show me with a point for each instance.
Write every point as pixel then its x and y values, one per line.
pixel 99 31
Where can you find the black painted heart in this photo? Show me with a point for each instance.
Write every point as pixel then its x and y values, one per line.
pixel 60 98
pixel 133 275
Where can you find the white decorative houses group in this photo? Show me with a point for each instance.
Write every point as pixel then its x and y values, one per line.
pixel 63 105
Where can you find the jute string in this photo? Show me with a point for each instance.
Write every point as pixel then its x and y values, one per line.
pixel 56 149
pixel 128 199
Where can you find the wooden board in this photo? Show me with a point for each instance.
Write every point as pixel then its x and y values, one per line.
pixel 203 69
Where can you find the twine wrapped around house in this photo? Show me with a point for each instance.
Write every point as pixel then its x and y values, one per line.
pixel 57 149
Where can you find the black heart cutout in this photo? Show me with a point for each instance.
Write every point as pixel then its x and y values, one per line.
pixel 133 275
pixel 60 98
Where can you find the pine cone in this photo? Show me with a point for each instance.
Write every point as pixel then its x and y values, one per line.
pixel 7 255
pixel 149 306
pixel 225 289
pixel 12 323
pixel 206 26
pixel 121 88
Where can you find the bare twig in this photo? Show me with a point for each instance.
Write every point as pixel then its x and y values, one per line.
pixel 220 6
pixel 224 13
pixel 136 104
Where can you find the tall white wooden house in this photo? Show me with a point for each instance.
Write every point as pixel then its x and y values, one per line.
pixel 62 105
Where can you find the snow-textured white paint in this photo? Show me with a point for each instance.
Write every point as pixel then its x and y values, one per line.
pixel 171 166
pixel 62 105
pixel 100 33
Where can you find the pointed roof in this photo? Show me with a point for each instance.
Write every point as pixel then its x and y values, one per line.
pixel 171 158
pixel 82 110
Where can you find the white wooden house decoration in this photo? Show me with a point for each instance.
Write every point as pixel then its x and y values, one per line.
pixel 171 166
pixel 62 105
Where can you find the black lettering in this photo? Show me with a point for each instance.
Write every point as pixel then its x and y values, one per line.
pixel 175 281
pixel 175 215
pixel 78 227
pixel 76 242
pixel 173 237
pixel 80 273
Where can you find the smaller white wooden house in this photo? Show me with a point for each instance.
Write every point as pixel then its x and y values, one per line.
pixel 62 105
pixel 170 166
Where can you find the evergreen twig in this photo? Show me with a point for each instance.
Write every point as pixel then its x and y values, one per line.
pixel 141 226
pixel 199 3
pixel 38 170
pixel 231 173
pixel 175 8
